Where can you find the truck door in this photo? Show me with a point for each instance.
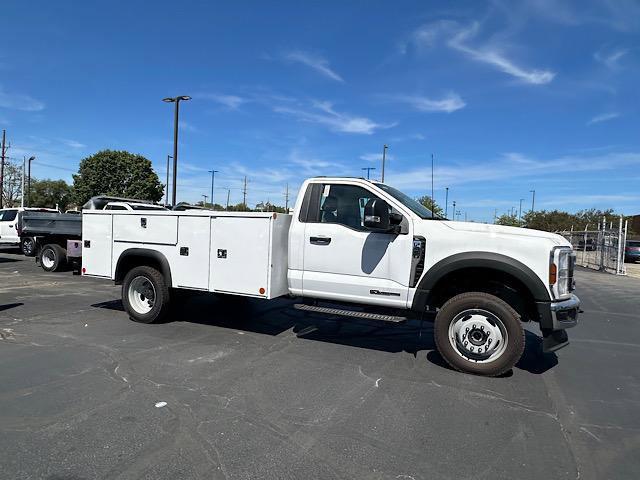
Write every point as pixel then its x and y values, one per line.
pixel 343 260
pixel 8 231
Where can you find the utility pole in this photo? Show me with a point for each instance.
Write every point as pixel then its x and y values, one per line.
pixel 244 192
pixel 213 176
pixel 286 199
pixel 465 216
pixel 228 195
pixel 31 159
pixel 495 215
pixel 454 210
pixel 384 157
pixel 520 210
pixel 166 193
pixel 433 200
pixel 533 200
pixel 2 155
pixel 446 202
pixel 368 169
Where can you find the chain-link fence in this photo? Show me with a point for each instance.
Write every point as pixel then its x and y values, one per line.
pixel 601 249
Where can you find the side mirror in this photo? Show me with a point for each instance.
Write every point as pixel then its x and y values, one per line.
pixel 395 218
pixel 376 215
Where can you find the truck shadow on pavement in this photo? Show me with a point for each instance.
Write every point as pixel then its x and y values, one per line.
pixel 278 316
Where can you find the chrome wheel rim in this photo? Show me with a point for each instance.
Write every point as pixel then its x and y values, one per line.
pixel 142 295
pixel 48 258
pixel 478 336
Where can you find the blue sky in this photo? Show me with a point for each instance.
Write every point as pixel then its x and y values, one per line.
pixel 508 96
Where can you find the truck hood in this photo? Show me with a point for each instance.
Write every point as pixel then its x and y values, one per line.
pixel 483 228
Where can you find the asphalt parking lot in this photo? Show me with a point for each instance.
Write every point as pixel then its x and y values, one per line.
pixel 257 390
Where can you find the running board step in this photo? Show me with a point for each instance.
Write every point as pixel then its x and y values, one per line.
pixel 350 313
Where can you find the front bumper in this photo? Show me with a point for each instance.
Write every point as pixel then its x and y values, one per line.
pixel 555 318
pixel 564 313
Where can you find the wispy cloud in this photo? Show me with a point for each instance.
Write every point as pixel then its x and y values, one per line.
pixel 610 57
pixel 188 127
pixel 316 62
pixel 19 101
pixel 591 200
pixel 511 165
pixel 449 103
pixel 375 157
pixel 73 143
pixel 232 102
pixel 459 38
pixel 323 113
pixel 491 55
pixel 604 117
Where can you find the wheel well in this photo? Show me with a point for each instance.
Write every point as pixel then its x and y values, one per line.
pixel 127 261
pixel 488 280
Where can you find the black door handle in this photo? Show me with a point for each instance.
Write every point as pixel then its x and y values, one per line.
pixel 320 240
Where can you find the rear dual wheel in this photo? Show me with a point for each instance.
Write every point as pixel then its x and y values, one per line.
pixel 53 258
pixel 479 333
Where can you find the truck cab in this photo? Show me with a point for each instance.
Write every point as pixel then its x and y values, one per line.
pixel 351 242
pixel 10 223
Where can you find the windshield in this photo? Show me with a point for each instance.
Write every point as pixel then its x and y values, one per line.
pixel 413 205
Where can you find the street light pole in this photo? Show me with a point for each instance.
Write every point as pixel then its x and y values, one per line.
pixel 454 210
pixel 368 169
pixel 175 100
pixel 213 176
pixel 384 157
pixel 446 202
pixel 520 210
pixel 204 204
pixel 31 159
pixel 533 200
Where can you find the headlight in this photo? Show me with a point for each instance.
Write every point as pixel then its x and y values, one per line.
pixel 562 261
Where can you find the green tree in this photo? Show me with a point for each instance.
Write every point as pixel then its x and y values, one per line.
pixel 49 193
pixel 550 221
pixel 117 173
pixel 508 220
pixel 430 204
pixel 12 184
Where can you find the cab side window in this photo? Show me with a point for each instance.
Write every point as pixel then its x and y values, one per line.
pixel 344 205
pixel 8 215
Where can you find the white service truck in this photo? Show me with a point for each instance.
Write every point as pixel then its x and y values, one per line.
pixel 354 244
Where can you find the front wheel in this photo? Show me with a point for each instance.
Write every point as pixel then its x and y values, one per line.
pixel 28 246
pixel 145 295
pixel 479 333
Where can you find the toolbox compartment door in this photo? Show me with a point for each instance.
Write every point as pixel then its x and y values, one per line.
pixel 146 228
pixel 96 245
pixel 240 255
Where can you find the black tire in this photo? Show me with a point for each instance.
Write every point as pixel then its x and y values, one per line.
pixel 461 307
pixel 28 246
pixel 53 258
pixel 134 304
